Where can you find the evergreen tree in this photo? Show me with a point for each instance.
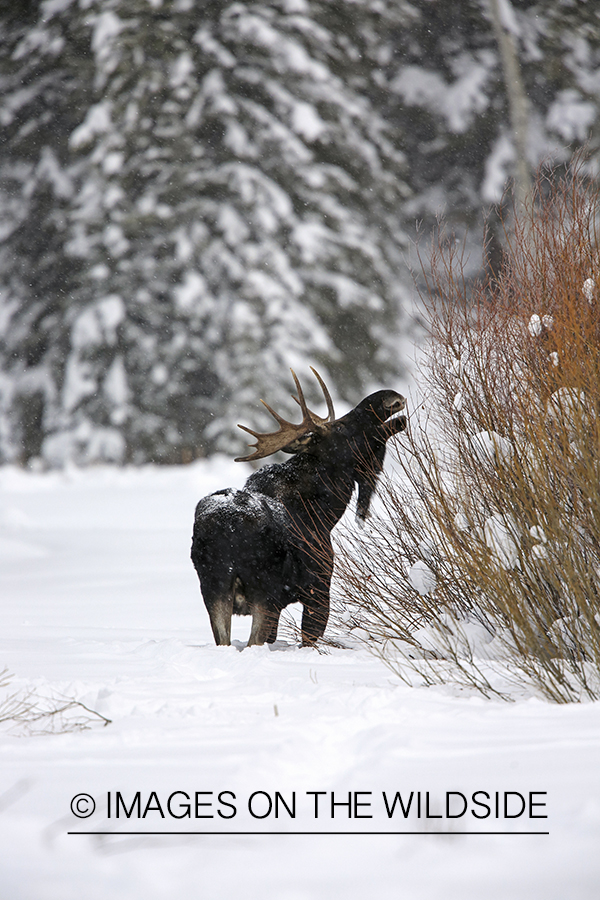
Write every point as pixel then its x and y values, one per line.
pixel 196 194
pixel 452 109
pixel 237 211
pixel 43 74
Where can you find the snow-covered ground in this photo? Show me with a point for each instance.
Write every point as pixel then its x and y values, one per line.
pixel 100 604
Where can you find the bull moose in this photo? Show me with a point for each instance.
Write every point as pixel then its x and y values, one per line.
pixel 258 549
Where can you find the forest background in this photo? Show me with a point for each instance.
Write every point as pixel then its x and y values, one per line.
pixel 197 194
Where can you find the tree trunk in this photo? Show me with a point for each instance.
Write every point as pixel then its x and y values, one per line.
pixel 517 99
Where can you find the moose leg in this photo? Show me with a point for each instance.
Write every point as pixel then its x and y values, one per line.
pixel 220 612
pixel 264 624
pixel 317 568
pixel 314 621
pixel 315 600
pixel 272 635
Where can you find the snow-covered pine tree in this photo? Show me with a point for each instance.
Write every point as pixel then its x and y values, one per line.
pixel 452 106
pixel 43 79
pixel 569 52
pixel 238 211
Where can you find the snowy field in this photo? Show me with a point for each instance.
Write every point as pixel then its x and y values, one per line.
pixel 100 604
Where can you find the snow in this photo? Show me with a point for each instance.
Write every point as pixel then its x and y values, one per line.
pixel 571 116
pixel 508 18
pixel 113 162
pixel 79 382
pixel 307 122
pixel 115 388
pixel 181 70
pixel 97 121
pixel 191 291
pixel 489 447
pixel 568 407
pixel 98 322
pixel 458 101
pixel 100 604
pixel 422 578
pixel 535 326
pixel 589 289
pixel 49 168
pixel 86 443
pixel 496 169
pixel 107 27
pixel 500 532
pixel 53 7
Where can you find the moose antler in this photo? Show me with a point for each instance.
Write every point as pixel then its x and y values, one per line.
pixel 287 433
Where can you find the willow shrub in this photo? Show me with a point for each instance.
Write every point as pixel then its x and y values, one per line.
pixel 484 553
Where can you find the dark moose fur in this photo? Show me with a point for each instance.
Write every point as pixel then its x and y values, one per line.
pixel 260 548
